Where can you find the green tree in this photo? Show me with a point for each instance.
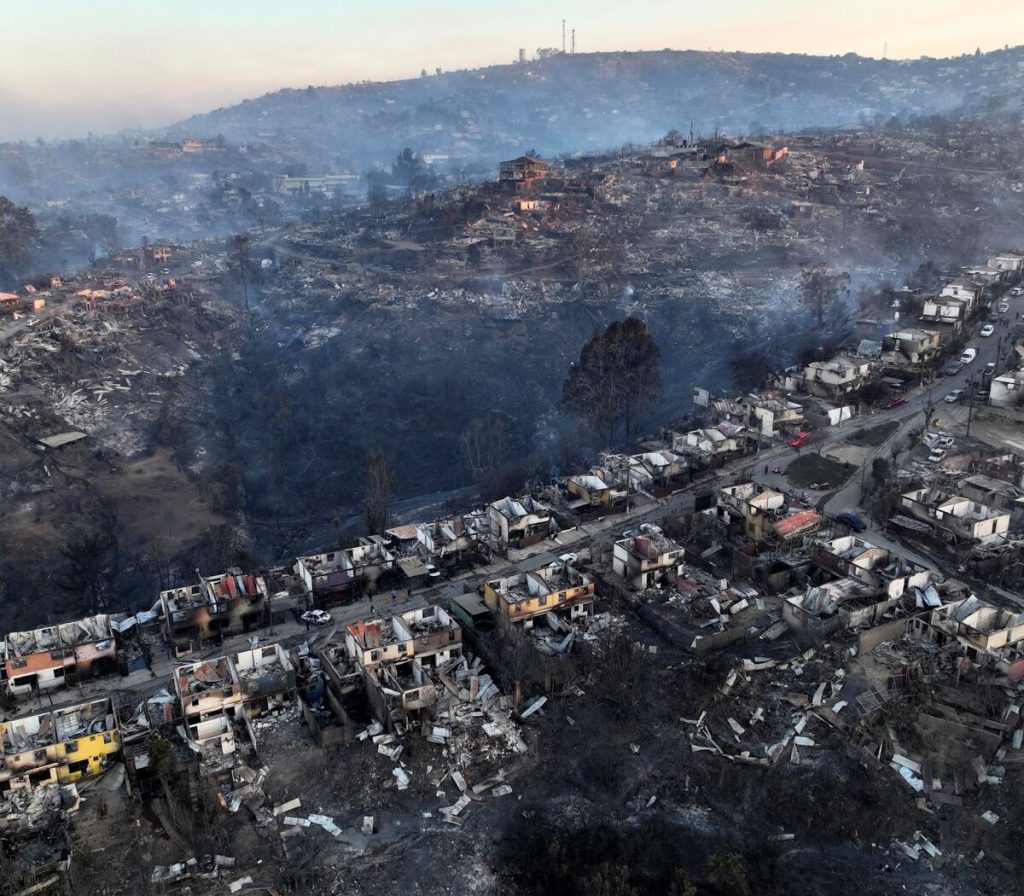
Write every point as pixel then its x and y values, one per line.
pixel 821 291
pixel 616 378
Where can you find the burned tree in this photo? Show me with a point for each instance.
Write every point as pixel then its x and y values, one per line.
pixel 18 235
pixel 750 369
pixel 410 169
pixel 821 291
pixel 240 256
pixel 380 488
pixel 616 378
pixel 485 447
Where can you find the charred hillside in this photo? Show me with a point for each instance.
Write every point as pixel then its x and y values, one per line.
pixel 572 103
pixel 224 414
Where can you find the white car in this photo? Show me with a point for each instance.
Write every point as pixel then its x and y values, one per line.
pixel 1003 307
pixel 968 356
pixel 1015 291
pixel 954 396
pixel 316 617
pixel 987 330
pixel 936 455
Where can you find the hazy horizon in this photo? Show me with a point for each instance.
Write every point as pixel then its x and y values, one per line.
pixel 107 70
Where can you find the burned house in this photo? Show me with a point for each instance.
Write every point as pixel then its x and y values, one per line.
pixel 858 584
pixel 648 559
pixel 661 467
pixel 771 414
pixel 522 172
pixel 209 696
pixel 880 568
pixel 327 577
pixel 1010 263
pixel 401 658
pixel 965 289
pixel 267 678
pixel 995 493
pixel 371 560
pixel 750 506
pixel 713 445
pixel 56 655
pixel 588 491
pixel 910 346
pixel 286 593
pixel 796 524
pixel 831 379
pixel 523 598
pixel 228 604
pixel 454 542
pixel 518 523
pixel 331 691
pixel 959 517
pixel 990 637
pixel 945 315
pixel 61 745
pixel 757 155
pixel 1007 390
pixel 342 575
pixel 624 473
pixel 834 606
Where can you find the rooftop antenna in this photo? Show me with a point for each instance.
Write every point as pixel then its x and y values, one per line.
pixel 563 35
pixel 574 41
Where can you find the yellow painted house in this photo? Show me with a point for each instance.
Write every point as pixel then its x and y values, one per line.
pixel 58 746
pixel 559 589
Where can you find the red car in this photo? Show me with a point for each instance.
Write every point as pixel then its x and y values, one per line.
pixel 894 402
pixel 799 440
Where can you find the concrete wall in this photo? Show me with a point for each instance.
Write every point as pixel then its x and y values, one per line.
pixel 870 638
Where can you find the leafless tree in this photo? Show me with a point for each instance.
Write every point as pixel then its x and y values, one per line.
pixel 821 290
pixel 485 447
pixel 380 488
pixel 241 249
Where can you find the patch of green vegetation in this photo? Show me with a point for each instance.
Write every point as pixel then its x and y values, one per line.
pixel 874 436
pixel 817 472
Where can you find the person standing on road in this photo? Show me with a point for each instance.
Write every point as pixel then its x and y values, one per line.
pixel 394 595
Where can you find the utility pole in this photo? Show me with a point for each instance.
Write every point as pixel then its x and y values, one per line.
pixel 563 35
pixel 573 41
pixel 972 384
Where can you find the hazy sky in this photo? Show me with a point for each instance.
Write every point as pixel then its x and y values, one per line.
pixel 68 67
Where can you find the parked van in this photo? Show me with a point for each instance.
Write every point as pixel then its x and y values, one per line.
pixel 969 355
